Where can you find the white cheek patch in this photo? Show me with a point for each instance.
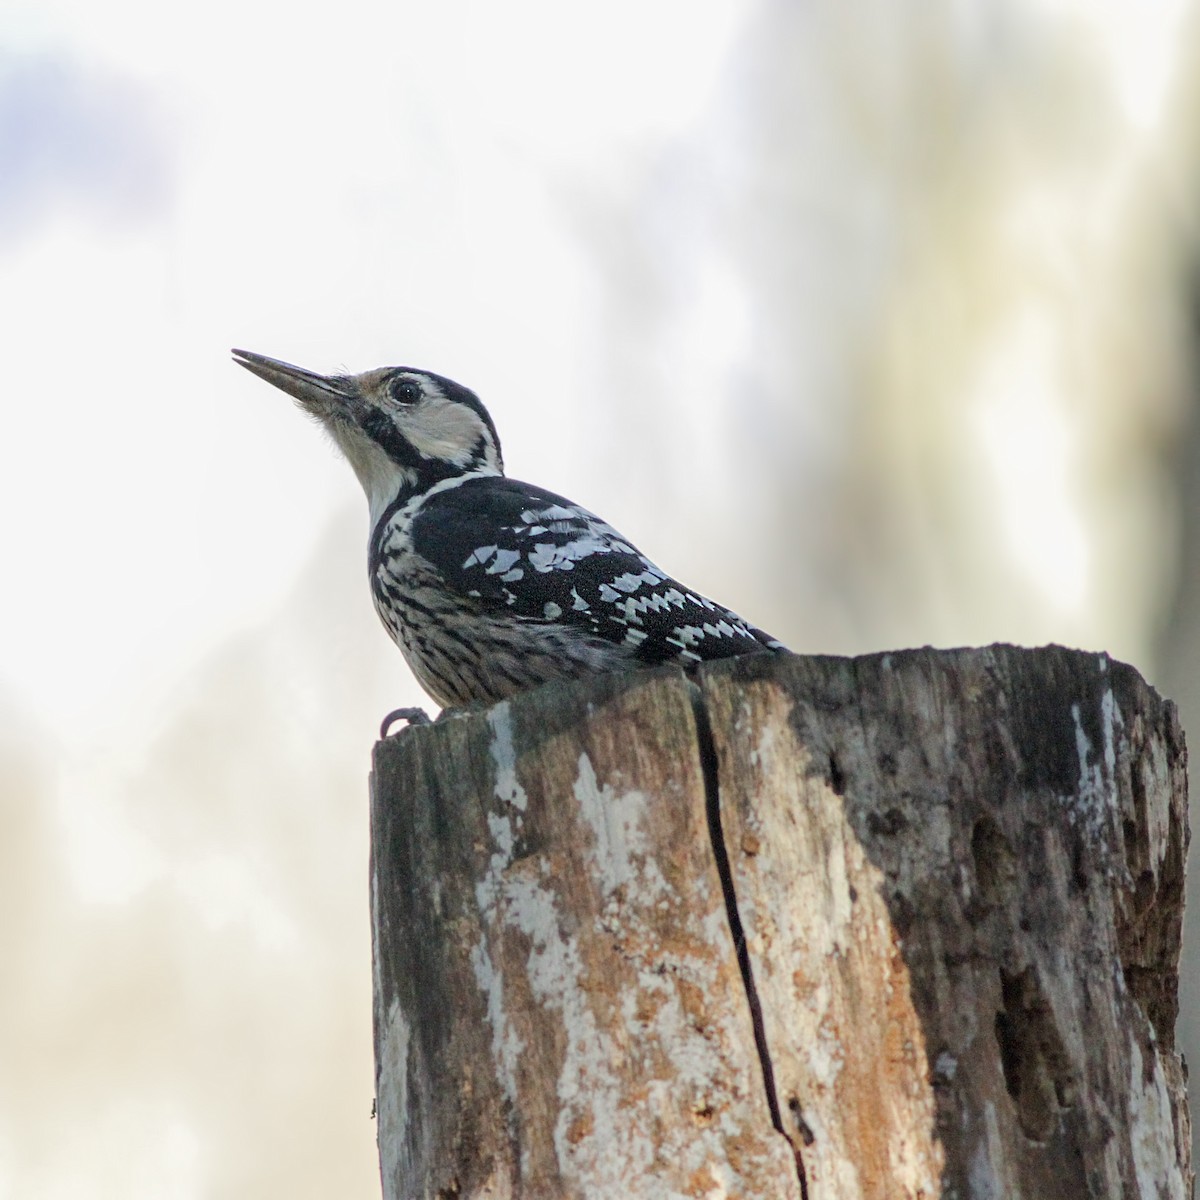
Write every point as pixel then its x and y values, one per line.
pixel 443 430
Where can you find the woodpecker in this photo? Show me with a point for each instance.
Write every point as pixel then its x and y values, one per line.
pixel 488 585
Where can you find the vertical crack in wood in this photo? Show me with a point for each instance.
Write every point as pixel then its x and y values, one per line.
pixel 712 797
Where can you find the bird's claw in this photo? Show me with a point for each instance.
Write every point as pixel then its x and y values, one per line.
pixel 414 716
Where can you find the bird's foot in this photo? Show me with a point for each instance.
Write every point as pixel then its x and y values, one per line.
pixel 414 716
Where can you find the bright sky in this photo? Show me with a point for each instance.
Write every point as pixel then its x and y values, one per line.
pixel 340 187
pixel 335 191
pixel 323 190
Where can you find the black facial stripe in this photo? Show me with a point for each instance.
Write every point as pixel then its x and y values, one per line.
pixel 478 456
pixel 378 426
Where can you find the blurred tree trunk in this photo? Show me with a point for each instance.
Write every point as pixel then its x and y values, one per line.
pixel 1178 650
pixel 897 926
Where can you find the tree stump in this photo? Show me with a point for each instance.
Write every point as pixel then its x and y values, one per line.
pixel 898 926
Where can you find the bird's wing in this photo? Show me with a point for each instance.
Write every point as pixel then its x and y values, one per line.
pixel 511 546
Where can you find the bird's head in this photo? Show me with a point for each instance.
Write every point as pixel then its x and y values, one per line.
pixel 402 430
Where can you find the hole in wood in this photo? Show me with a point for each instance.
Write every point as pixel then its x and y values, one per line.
pixel 837 777
pixel 1033 1057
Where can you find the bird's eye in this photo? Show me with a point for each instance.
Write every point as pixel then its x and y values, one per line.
pixel 405 391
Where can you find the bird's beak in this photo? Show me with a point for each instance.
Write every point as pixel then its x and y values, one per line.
pixel 316 392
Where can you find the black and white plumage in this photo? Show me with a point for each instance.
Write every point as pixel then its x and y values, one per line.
pixel 488 585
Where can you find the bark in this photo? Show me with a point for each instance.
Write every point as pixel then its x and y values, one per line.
pixel 897 926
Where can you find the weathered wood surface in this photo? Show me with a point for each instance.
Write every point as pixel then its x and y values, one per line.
pixel 969 985
pixel 960 876
pixel 559 1010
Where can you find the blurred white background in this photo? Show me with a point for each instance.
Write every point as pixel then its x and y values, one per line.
pixel 877 323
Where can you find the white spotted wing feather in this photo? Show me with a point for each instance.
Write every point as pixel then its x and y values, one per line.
pixel 539 588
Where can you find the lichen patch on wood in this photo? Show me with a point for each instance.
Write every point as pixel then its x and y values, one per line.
pixel 608 1003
